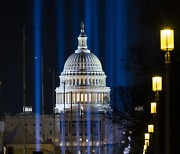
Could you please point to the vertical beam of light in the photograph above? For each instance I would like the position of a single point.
(75, 22)
(88, 130)
(99, 133)
(106, 134)
(109, 42)
(60, 33)
(37, 65)
(91, 24)
(60, 49)
(62, 132)
(120, 41)
(60, 5)
(115, 42)
(79, 130)
(94, 23)
(88, 20)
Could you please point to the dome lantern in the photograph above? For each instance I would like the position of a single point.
(82, 40)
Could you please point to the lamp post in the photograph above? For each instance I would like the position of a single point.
(156, 87)
(167, 45)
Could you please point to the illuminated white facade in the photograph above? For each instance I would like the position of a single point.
(82, 82)
(82, 101)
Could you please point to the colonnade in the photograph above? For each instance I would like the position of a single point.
(83, 97)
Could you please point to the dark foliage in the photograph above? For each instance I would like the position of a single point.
(130, 113)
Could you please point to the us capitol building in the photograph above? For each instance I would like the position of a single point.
(82, 81)
(80, 124)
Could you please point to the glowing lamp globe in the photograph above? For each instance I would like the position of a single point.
(157, 83)
(167, 39)
(153, 107)
(146, 136)
(150, 128)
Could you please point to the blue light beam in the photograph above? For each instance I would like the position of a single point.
(37, 67)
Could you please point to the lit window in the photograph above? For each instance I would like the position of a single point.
(82, 97)
(90, 97)
(78, 98)
(85, 95)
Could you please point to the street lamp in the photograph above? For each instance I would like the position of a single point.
(153, 107)
(167, 45)
(150, 128)
(146, 143)
(156, 83)
(146, 136)
(156, 87)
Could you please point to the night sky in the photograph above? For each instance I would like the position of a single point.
(124, 34)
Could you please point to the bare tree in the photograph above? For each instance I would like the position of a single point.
(131, 115)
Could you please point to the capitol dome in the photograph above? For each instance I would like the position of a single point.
(83, 81)
(82, 63)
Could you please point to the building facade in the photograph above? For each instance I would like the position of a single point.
(82, 101)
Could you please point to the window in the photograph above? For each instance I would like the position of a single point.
(50, 124)
(82, 97)
(85, 97)
(50, 132)
(77, 98)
